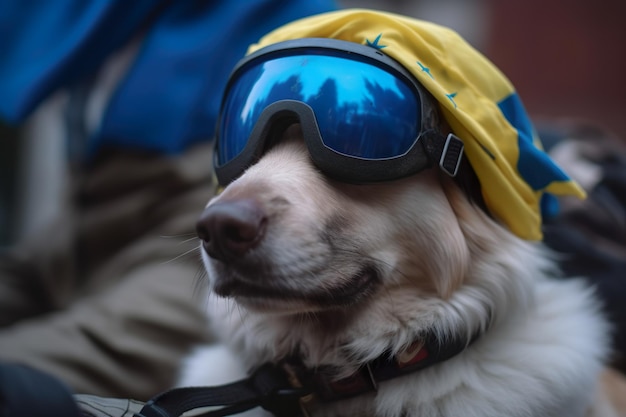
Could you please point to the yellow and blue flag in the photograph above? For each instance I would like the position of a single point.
(481, 106)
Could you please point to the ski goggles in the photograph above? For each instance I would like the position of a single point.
(364, 117)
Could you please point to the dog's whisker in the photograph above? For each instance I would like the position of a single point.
(242, 315)
(180, 256)
(177, 236)
(200, 281)
(191, 239)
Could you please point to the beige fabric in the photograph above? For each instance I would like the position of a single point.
(109, 298)
(92, 406)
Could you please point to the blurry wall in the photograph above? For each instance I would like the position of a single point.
(566, 58)
(468, 17)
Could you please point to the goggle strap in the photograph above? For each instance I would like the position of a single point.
(444, 151)
(451, 155)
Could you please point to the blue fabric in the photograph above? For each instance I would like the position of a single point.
(170, 96)
(534, 165)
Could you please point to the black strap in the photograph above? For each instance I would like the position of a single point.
(451, 155)
(283, 389)
(444, 151)
(326, 387)
(268, 387)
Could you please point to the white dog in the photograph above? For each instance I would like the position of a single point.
(343, 275)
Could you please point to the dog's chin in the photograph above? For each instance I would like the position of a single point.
(266, 295)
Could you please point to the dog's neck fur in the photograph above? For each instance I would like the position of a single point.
(508, 299)
(542, 343)
(482, 377)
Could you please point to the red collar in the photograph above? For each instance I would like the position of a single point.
(419, 355)
(288, 392)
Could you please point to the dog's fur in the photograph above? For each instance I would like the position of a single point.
(345, 273)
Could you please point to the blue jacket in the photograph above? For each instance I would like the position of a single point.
(170, 96)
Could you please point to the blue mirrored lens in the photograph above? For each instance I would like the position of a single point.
(361, 110)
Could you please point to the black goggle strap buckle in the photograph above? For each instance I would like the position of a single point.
(451, 155)
(444, 151)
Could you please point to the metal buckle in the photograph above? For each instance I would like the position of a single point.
(305, 401)
(363, 380)
(451, 155)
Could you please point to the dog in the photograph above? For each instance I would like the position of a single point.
(341, 275)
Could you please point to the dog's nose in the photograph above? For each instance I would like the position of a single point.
(230, 228)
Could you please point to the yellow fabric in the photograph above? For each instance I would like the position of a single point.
(472, 94)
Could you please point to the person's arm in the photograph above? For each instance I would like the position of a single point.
(27, 392)
(48, 44)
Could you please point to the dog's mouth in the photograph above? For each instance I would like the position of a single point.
(271, 296)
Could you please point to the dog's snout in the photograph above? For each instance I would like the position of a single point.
(231, 228)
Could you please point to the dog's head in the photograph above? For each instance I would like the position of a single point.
(284, 238)
(339, 219)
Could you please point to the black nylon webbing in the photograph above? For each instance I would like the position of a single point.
(267, 387)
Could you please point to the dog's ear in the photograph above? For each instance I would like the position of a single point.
(434, 252)
(448, 259)
(481, 234)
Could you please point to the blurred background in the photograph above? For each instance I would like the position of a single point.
(566, 58)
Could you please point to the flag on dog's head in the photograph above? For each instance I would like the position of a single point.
(517, 177)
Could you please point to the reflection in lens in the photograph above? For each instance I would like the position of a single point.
(361, 109)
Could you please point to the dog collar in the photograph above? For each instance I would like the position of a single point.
(323, 385)
(289, 388)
